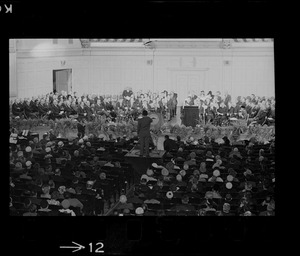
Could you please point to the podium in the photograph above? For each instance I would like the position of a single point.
(190, 115)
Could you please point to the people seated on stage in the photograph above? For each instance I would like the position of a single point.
(259, 110)
(245, 108)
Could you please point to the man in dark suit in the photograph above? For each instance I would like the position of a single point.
(169, 144)
(143, 131)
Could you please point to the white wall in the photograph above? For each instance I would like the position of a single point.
(108, 71)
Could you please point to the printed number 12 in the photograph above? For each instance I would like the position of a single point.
(98, 250)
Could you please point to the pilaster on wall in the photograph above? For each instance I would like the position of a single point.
(13, 89)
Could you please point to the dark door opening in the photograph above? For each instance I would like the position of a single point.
(62, 80)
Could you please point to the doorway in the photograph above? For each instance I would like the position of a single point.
(187, 82)
(62, 80)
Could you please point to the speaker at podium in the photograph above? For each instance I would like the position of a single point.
(190, 115)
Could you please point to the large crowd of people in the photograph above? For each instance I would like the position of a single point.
(89, 106)
(220, 109)
(84, 176)
(206, 180)
(57, 177)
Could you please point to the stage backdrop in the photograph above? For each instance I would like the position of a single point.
(242, 69)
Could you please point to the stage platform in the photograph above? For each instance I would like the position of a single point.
(135, 153)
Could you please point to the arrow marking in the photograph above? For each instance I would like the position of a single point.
(78, 247)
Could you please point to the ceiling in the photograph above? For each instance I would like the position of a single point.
(86, 43)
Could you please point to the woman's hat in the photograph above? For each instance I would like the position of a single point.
(150, 172)
(144, 177)
(65, 204)
(228, 185)
(179, 177)
(102, 136)
(28, 149)
(62, 189)
(229, 177)
(216, 173)
(164, 172)
(209, 195)
(123, 199)
(169, 194)
(247, 172)
(139, 211)
(182, 173)
(154, 165)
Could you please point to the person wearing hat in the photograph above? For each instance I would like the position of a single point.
(65, 211)
(202, 168)
(218, 165)
(179, 181)
(139, 211)
(44, 209)
(143, 130)
(123, 204)
(232, 173)
(216, 176)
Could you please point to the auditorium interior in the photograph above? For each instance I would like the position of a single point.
(75, 109)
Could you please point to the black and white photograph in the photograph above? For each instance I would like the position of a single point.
(143, 128)
(154, 126)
